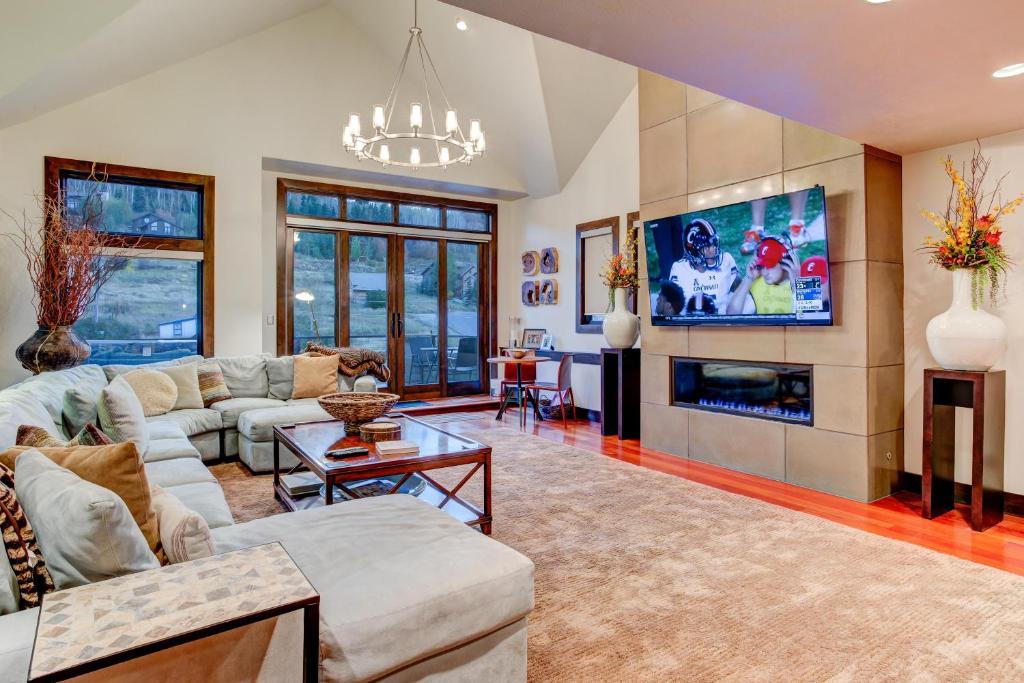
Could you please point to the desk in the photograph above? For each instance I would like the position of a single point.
(519, 363)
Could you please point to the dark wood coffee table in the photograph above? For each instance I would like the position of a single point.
(438, 449)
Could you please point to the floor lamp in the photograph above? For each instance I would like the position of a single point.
(307, 296)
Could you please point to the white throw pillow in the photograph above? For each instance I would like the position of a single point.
(155, 390)
(186, 378)
(79, 408)
(85, 532)
(184, 534)
(121, 415)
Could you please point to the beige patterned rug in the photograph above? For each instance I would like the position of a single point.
(642, 576)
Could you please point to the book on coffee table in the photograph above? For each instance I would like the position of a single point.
(301, 484)
(398, 447)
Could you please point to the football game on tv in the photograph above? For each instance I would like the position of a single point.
(759, 262)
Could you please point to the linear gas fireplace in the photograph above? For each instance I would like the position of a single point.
(770, 391)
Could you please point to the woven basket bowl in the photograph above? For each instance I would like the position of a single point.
(357, 407)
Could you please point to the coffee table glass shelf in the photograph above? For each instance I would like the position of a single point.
(438, 449)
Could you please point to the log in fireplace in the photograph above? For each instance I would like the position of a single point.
(769, 391)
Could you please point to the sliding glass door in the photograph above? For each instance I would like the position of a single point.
(415, 299)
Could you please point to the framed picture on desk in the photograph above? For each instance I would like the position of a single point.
(532, 338)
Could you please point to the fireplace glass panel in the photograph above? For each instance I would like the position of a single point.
(770, 391)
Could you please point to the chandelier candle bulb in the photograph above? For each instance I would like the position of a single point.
(385, 154)
(451, 121)
(481, 144)
(378, 116)
(443, 155)
(346, 138)
(414, 156)
(474, 130)
(353, 124)
(416, 115)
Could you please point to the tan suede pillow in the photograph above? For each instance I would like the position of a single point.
(156, 390)
(315, 376)
(118, 468)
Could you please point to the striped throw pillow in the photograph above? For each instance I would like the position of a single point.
(37, 437)
(22, 551)
(211, 384)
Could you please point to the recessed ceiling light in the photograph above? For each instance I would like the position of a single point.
(877, 2)
(1012, 70)
(461, 24)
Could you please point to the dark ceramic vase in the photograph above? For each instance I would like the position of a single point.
(56, 348)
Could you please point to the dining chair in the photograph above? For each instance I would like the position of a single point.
(563, 387)
(508, 377)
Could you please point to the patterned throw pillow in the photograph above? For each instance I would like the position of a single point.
(211, 384)
(26, 561)
(37, 437)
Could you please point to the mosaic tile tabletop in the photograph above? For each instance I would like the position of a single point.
(82, 624)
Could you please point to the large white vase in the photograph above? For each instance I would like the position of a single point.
(621, 328)
(964, 337)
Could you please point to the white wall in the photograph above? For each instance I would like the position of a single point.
(607, 183)
(280, 93)
(927, 293)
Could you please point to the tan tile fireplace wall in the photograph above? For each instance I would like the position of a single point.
(699, 150)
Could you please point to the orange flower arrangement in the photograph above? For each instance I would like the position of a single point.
(971, 229)
(620, 270)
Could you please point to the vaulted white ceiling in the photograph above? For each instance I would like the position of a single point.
(905, 75)
(543, 103)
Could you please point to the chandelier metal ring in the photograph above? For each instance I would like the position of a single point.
(375, 147)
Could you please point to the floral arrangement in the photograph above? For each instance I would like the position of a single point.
(68, 257)
(971, 228)
(620, 270)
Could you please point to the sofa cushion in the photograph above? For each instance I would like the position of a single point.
(31, 579)
(156, 391)
(232, 408)
(121, 415)
(165, 429)
(411, 571)
(80, 408)
(86, 532)
(166, 449)
(115, 467)
(178, 471)
(186, 380)
(364, 383)
(246, 376)
(258, 425)
(114, 371)
(206, 498)
(37, 437)
(184, 533)
(280, 374)
(17, 635)
(191, 420)
(50, 387)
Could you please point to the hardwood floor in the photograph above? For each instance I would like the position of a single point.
(896, 517)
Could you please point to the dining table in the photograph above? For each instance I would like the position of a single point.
(519, 363)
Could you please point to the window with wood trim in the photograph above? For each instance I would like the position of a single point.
(408, 275)
(159, 304)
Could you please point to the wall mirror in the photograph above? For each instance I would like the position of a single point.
(596, 241)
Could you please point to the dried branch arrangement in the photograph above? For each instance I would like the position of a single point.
(68, 256)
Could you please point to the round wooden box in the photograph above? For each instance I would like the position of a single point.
(372, 432)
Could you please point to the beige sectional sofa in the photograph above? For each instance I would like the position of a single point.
(407, 592)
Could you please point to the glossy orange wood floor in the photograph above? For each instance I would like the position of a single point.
(896, 517)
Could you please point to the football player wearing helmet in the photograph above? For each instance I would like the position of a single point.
(706, 274)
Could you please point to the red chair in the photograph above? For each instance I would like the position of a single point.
(508, 378)
(563, 388)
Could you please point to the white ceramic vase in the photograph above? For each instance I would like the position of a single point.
(964, 337)
(621, 328)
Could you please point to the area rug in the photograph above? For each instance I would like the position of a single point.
(642, 576)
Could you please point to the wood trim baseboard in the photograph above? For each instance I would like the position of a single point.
(1013, 502)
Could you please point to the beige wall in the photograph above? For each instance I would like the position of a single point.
(606, 184)
(698, 150)
(927, 293)
(273, 94)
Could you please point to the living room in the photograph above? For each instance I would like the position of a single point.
(650, 349)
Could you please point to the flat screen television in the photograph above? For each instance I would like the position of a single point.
(759, 262)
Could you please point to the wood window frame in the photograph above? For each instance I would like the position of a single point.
(56, 168)
(285, 254)
(585, 323)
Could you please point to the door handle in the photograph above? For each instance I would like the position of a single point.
(401, 325)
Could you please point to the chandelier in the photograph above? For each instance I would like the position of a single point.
(444, 149)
